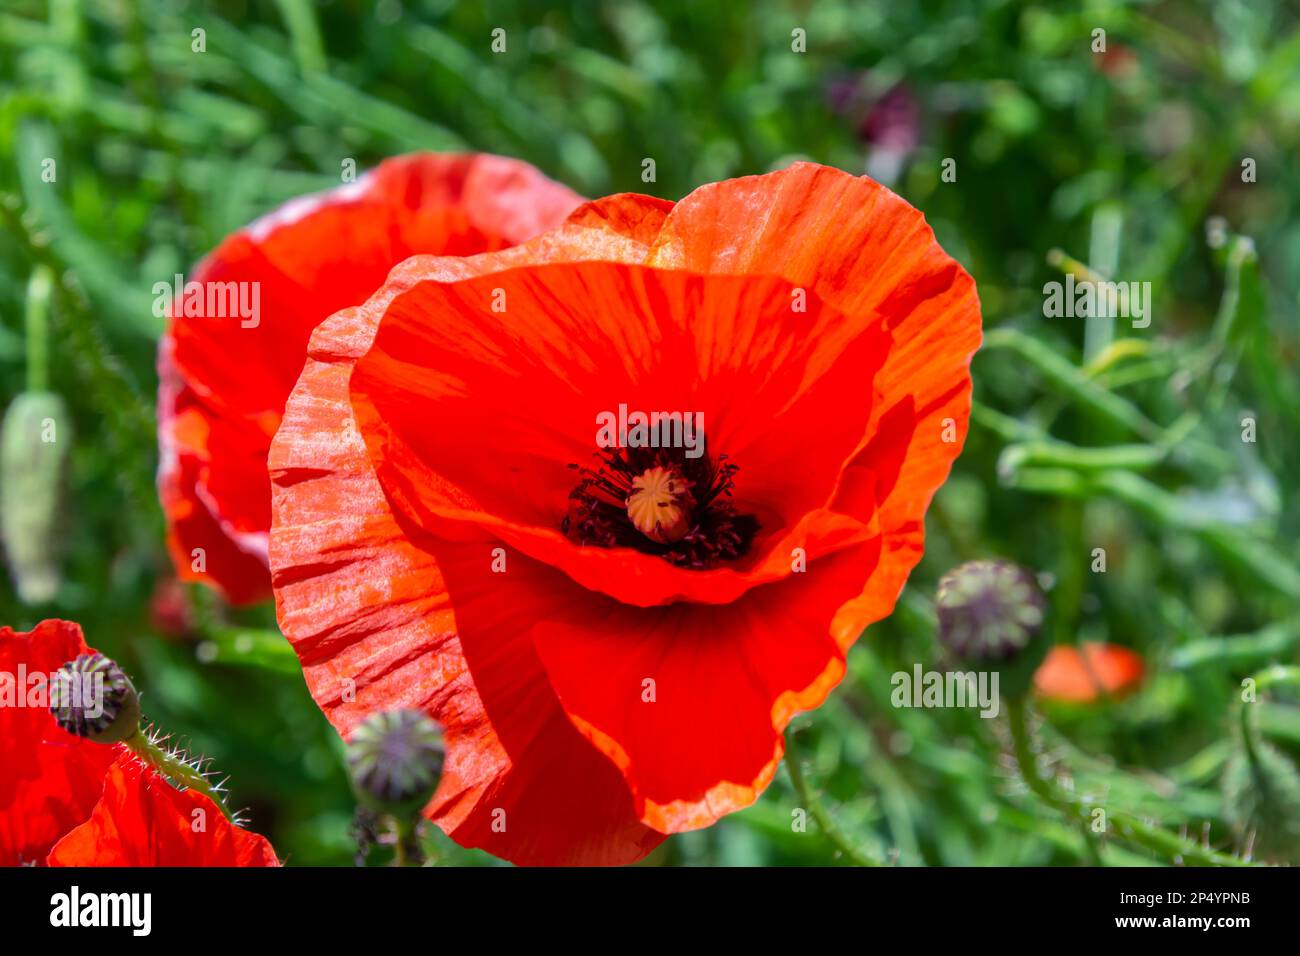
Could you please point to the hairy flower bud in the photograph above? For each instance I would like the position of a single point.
(989, 610)
(93, 698)
(34, 443)
(395, 759)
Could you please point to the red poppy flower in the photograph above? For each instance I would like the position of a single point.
(615, 651)
(65, 801)
(224, 380)
(1081, 675)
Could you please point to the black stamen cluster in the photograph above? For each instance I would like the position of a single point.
(598, 507)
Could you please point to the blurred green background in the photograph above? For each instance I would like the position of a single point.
(1085, 435)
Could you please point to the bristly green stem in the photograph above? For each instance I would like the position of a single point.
(1125, 826)
(174, 769)
(1037, 783)
(1269, 677)
(814, 805)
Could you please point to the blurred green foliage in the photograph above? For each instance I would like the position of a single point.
(1085, 435)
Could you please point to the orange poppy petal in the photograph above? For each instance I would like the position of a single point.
(860, 254)
(688, 701)
(142, 820)
(470, 423)
(867, 253)
(224, 551)
(367, 613)
(1087, 672)
(306, 260)
(362, 607)
(50, 779)
(319, 254)
(560, 802)
(633, 216)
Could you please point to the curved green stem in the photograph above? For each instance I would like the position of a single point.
(1269, 677)
(39, 288)
(818, 810)
(1278, 674)
(1037, 783)
(1126, 826)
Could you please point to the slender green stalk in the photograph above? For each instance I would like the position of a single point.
(1125, 826)
(818, 810)
(1071, 380)
(1037, 783)
(1270, 677)
(304, 34)
(1262, 558)
(1065, 455)
(1254, 648)
(1170, 845)
(129, 417)
(407, 850)
(1075, 384)
(37, 328)
(1280, 674)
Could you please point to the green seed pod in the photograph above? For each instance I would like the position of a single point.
(34, 443)
(93, 698)
(991, 616)
(988, 610)
(395, 760)
(1261, 796)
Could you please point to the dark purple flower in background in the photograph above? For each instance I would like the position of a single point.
(889, 122)
(893, 123)
(892, 128)
(844, 93)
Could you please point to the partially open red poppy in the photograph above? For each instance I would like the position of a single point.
(227, 365)
(615, 638)
(65, 801)
(1083, 674)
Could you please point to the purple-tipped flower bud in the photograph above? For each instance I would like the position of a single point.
(395, 759)
(989, 610)
(93, 698)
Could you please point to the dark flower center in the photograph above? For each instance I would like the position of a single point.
(662, 502)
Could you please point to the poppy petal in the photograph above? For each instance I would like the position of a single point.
(633, 216)
(142, 820)
(528, 816)
(866, 252)
(225, 377)
(741, 671)
(51, 779)
(466, 483)
(1087, 672)
(368, 616)
(642, 683)
(198, 537)
(724, 348)
(362, 608)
